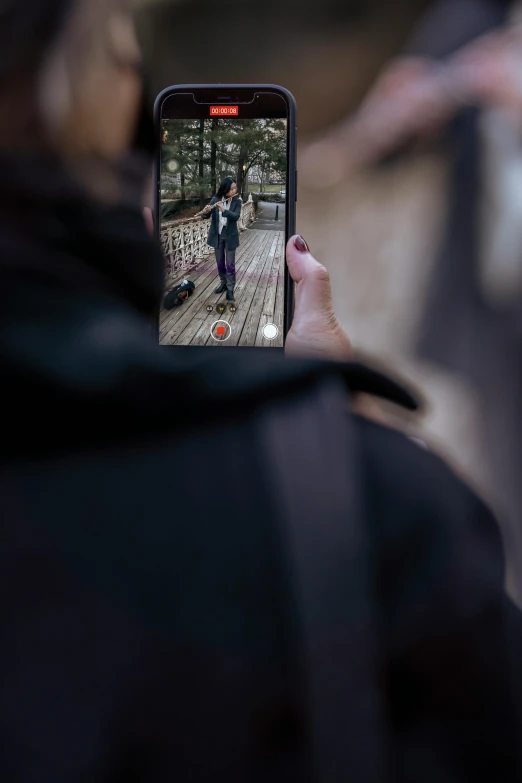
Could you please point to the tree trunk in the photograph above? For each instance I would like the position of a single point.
(200, 163)
(183, 193)
(213, 156)
(243, 156)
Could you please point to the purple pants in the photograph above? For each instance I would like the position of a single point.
(226, 259)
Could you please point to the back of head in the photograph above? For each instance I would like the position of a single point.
(68, 76)
(72, 179)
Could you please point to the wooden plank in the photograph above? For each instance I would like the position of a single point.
(209, 262)
(202, 336)
(200, 277)
(180, 274)
(196, 334)
(250, 330)
(249, 285)
(196, 276)
(180, 318)
(172, 326)
(198, 327)
(205, 338)
(268, 313)
(171, 331)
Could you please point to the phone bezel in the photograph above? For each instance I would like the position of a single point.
(291, 187)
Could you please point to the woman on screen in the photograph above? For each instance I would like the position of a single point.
(224, 211)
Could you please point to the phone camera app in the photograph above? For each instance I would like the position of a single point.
(223, 216)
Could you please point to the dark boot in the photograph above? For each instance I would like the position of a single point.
(222, 286)
(231, 282)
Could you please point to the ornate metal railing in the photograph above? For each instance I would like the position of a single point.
(185, 241)
(248, 214)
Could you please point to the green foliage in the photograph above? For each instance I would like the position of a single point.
(171, 210)
(238, 148)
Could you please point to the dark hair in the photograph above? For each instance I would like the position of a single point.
(28, 29)
(225, 186)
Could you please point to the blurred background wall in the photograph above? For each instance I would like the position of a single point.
(401, 231)
(327, 52)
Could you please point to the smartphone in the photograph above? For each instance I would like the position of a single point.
(225, 202)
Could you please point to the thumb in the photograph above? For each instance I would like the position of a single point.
(316, 331)
(314, 291)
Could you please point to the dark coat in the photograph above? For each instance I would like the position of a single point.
(323, 600)
(231, 230)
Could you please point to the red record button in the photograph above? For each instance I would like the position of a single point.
(220, 331)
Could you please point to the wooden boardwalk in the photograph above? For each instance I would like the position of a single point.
(259, 297)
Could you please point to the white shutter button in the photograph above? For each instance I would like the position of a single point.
(270, 331)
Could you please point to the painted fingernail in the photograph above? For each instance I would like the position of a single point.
(301, 245)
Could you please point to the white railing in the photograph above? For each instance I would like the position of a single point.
(185, 241)
(248, 214)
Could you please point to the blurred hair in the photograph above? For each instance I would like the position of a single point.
(27, 30)
(46, 49)
(225, 186)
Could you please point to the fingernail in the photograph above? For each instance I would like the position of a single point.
(301, 245)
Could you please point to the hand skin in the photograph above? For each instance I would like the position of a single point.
(316, 332)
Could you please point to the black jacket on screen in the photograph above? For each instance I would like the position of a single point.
(290, 593)
(231, 229)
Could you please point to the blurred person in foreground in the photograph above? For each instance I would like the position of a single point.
(344, 619)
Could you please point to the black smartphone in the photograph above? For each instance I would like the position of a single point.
(226, 188)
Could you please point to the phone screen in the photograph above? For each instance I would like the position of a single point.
(224, 217)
